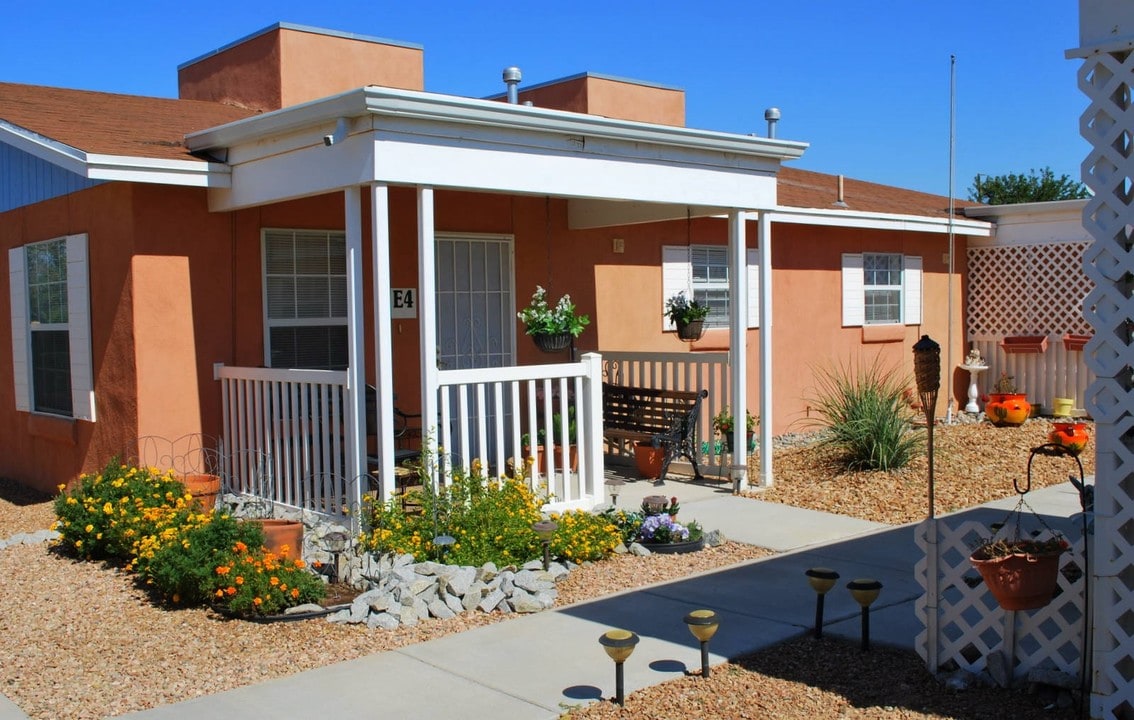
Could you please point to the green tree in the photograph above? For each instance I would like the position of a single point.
(1016, 188)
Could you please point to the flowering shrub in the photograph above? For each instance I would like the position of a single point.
(258, 582)
(180, 565)
(541, 319)
(583, 536)
(663, 529)
(723, 421)
(106, 515)
(626, 522)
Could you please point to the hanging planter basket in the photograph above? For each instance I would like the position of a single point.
(1020, 581)
(690, 331)
(551, 343)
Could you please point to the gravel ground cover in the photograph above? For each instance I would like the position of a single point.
(80, 640)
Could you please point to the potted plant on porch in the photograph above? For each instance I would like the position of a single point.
(1006, 406)
(552, 328)
(687, 315)
(723, 424)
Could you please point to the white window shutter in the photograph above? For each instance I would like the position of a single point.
(79, 323)
(18, 289)
(911, 290)
(753, 288)
(677, 276)
(854, 297)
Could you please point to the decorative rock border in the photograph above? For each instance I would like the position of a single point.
(32, 538)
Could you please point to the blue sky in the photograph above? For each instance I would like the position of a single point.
(865, 82)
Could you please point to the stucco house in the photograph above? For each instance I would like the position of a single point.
(306, 215)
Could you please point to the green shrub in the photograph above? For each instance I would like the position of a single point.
(627, 523)
(257, 582)
(583, 536)
(106, 515)
(868, 418)
(183, 568)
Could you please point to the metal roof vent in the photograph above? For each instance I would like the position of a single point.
(840, 199)
(772, 115)
(512, 79)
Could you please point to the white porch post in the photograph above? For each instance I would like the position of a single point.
(1106, 36)
(383, 347)
(764, 238)
(356, 358)
(427, 319)
(738, 345)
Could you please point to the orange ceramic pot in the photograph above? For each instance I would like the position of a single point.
(204, 488)
(283, 537)
(1071, 435)
(649, 460)
(1007, 408)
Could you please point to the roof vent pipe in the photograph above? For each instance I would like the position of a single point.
(512, 78)
(772, 115)
(840, 200)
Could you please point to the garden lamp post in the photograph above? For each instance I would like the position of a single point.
(618, 644)
(442, 543)
(865, 591)
(614, 486)
(821, 580)
(336, 544)
(703, 624)
(544, 529)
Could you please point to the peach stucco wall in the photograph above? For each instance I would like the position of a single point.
(176, 288)
(285, 67)
(611, 98)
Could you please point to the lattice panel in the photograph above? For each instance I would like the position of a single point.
(1027, 290)
(970, 624)
(1106, 79)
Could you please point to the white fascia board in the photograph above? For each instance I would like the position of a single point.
(586, 214)
(879, 221)
(115, 167)
(434, 107)
(1029, 212)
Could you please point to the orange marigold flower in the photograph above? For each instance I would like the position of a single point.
(220, 593)
(300, 563)
(274, 580)
(223, 570)
(230, 590)
(257, 601)
(239, 579)
(295, 592)
(240, 547)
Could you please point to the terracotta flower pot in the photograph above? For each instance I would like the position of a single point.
(204, 488)
(1071, 435)
(279, 534)
(1007, 409)
(1019, 581)
(649, 460)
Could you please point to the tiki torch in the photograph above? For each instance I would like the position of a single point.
(927, 372)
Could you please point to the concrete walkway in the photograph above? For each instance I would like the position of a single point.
(535, 667)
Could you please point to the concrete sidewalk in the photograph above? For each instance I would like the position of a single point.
(539, 665)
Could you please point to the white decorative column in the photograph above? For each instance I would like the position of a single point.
(1106, 36)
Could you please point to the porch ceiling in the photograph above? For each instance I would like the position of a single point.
(412, 138)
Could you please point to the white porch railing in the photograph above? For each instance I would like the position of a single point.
(295, 421)
(677, 371)
(487, 414)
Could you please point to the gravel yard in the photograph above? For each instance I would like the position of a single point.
(80, 640)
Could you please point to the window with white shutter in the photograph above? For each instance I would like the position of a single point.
(881, 288)
(51, 347)
(701, 271)
(305, 299)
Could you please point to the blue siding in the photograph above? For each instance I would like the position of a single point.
(25, 179)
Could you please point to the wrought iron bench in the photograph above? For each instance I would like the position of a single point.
(663, 418)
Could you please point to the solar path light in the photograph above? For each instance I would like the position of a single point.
(619, 644)
(865, 591)
(544, 529)
(821, 580)
(703, 624)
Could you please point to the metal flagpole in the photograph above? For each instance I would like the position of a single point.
(952, 154)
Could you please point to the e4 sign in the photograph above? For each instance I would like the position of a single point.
(403, 302)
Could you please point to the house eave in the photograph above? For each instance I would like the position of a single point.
(123, 168)
(880, 221)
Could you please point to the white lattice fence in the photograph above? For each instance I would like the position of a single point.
(970, 626)
(1107, 79)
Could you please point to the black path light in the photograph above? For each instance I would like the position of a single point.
(927, 372)
(544, 530)
(618, 644)
(865, 591)
(703, 624)
(821, 580)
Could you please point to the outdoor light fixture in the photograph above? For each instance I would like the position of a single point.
(613, 487)
(544, 529)
(703, 624)
(821, 580)
(619, 644)
(442, 543)
(865, 591)
(336, 544)
(655, 503)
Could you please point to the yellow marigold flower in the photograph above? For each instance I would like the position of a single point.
(78, 543)
(72, 501)
(108, 508)
(176, 598)
(89, 527)
(98, 537)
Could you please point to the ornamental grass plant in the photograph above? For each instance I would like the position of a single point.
(863, 408)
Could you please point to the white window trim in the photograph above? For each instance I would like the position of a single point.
(677, 276)
(854, 290)
(78, 328)
(269, 323)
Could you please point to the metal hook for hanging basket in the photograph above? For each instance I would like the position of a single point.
(1050, 450)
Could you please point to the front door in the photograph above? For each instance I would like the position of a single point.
(476, 314)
